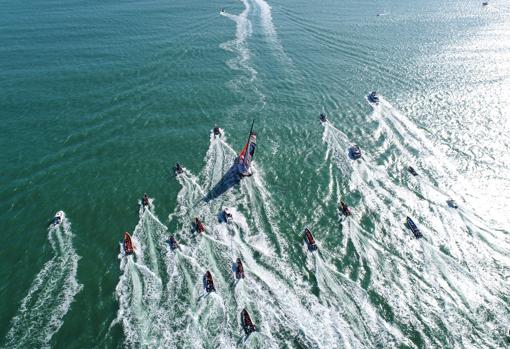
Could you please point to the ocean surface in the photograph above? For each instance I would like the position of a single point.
(100, 99)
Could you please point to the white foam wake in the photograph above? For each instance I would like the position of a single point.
(241, 62)
(49, 298)
(270, 30)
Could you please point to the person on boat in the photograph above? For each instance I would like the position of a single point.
(145, 200)
(239, 269)
(412, 171)
(178, 168)
(323, 117)
(345, 209)
(246, 322)
(173, 242)
(199, 225)
(216, 129)
(209, 284)
(55, 221)
(355, 152)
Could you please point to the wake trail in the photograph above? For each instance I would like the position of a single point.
(140, 288)
(51, 294)
(270, 30)
(241, 63)
(424, 279)
(271, 302)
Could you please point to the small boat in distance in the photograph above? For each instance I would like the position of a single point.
(373, 97)
(217, 131)
(208, 282)
(173, 242)
(355, 152)
(411, 225)
(57, 219)
(323, 118)
(246, 155)
(227, 215)
(145, 201)
(128, 244)
(178, 169)
(451, 203)
(199, 226)
(412, 171)
(312, 246)
(239, 269)
(485, 3)
(344, 209)
(246, 322)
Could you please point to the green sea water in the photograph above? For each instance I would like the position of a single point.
(99, 100)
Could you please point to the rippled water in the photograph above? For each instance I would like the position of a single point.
(100, 99)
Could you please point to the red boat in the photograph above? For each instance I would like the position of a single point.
(208, 282)
(199, 226)
(128, 244)
(309, 240)
(239, 269)
(246, 322)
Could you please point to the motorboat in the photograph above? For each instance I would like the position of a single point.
(485, 3)
(323, 118)
(128, 244)
(208, 282)
(239, 269)
(173, 242)
(451, 203)
(145, 201)
(412, 171)
(355, 152)
(57, 219)
(373, 97)
(178, 169)
(246, 323)
(345, 209)
(199, 226)
(245, 157)
(227, 215)
(411, 225)
(312, 246)
(217, 131)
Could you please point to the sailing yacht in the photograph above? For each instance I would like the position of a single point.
(246, 155)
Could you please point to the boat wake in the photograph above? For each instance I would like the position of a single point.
(49, 298)
(241, 63)
(273, 291)
(140, 288)
(270, 31)
(419, 279)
